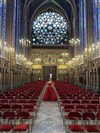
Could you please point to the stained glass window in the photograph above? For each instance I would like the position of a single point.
(4, 13)
(0, 15)
(49, 28)
(96, 18)
(17, 23)
(82, 25)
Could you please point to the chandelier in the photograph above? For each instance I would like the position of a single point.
(49, 28)
(74, 42)
(24, 43)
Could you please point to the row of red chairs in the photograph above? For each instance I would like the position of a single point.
(34, 101)
(19, 97)
(80, 97)
(19, 106)
(82, 117)
(81, 108)
(78, 106)
(77, 128)
(10, 121)
(83, 101)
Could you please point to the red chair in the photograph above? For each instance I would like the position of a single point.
(26, 97)
(72, 117)
(64, 102)
(25, 117)
(85, 101)
(18, 97)
(16, 107)
(22, 101)
(94, 101)
(76, 128)
(98, 118)
(6, 127)
(91, 128)
(68, 108)
(13, 101)
(92, 107)
(81, 107)
(30, 108)
(96, 97)
(2, 97)
(21, 128)
(98, 108)
(32, 101)
(9, 116)
(76, 101)
(5, 107)
(0, 115)
(4, 101)
(9, 97)
(88, 117)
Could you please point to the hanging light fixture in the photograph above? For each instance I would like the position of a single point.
(74, 42)
(24, 43)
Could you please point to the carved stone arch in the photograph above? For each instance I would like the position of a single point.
(55, 9)
(74, 12)
(98, 67)
(71, 2)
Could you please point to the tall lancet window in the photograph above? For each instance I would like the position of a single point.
(96, 20)
(17, 23)
(4, 13)
(82, 24)
(14, 28)
(0, 25)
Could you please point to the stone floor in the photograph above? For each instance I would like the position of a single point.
(49, 119)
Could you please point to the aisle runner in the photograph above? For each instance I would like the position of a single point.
(49, 119)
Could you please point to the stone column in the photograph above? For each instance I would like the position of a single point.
(89, 19)
(9, 35)
(1, 81)
(97, 83)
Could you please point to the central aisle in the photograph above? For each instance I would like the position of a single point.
(49, 119)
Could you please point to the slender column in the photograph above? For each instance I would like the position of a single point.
(1, 81)
(97, 82)
(89, 35)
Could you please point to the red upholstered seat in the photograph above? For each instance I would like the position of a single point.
(88, 116)
(9, 115)
(73, 116)
(24, 115)
(80, 107)
(17, 107)
(98, 116)
(91, 128)
(76, 128)
(5, 107)
(92, 107)
(68, 108)
(20, 127)
(6, 127)
(29, 107)
(94, 101)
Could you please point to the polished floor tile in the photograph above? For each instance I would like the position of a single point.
(49, 119)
